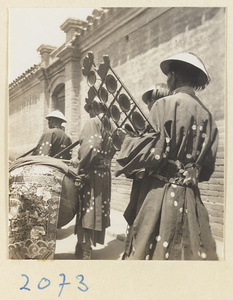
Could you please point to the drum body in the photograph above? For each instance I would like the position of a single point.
(42, 198)
(68, 202)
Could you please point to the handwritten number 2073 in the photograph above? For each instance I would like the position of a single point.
(44, 283)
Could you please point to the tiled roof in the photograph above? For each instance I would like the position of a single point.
(90, 20)
(96, 15)
(28, 73)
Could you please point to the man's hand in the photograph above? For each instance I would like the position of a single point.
(74, 163)
(121, 133)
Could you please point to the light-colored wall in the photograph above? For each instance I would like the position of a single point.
(26, 121)
(136, 55)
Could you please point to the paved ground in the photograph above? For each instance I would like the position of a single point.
(111, 250)
(113, 247)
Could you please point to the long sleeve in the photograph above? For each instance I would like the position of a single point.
(90, 144)
(210, 157)
(185, 132)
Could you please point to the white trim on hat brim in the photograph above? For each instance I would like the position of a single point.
(189, 59)
(56, 114)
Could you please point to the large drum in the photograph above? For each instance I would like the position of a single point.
(43, 197)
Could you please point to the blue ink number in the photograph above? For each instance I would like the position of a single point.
(24, 287)
(81, 282)
(47, 283)
(44, 283)
(63, 283)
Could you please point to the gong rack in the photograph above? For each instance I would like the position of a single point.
(115, 102)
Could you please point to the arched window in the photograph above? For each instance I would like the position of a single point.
(58, 98)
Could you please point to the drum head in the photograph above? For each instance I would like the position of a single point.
(96, 107)
(138, 121)
(129, 128)
(103, 94)
(111, 83)
(124, 102)
(115, 113)
(91, 95)
(116, 142)
(91, 78)
(107, 124)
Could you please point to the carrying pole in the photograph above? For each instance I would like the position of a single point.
(25, 154)
(66, 149)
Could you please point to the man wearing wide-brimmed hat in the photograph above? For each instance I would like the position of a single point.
(171, 221)
(154, 93)
(54, 140)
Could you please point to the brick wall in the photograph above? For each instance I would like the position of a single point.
(136, 55)
(26, 120)
(212, 192)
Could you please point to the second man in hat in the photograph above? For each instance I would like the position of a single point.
(54, 140)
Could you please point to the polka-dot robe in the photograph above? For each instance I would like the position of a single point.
(52, 142)
(166, 217)
(95, 154)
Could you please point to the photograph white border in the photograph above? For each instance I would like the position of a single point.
(117, 279)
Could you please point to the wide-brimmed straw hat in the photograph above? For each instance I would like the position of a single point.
(56, 114)
(155, 92)
(193, 61)
(147, 95)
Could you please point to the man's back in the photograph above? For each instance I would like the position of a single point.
(52, 142)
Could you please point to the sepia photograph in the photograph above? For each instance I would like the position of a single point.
(116, 136)
(116, 150)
